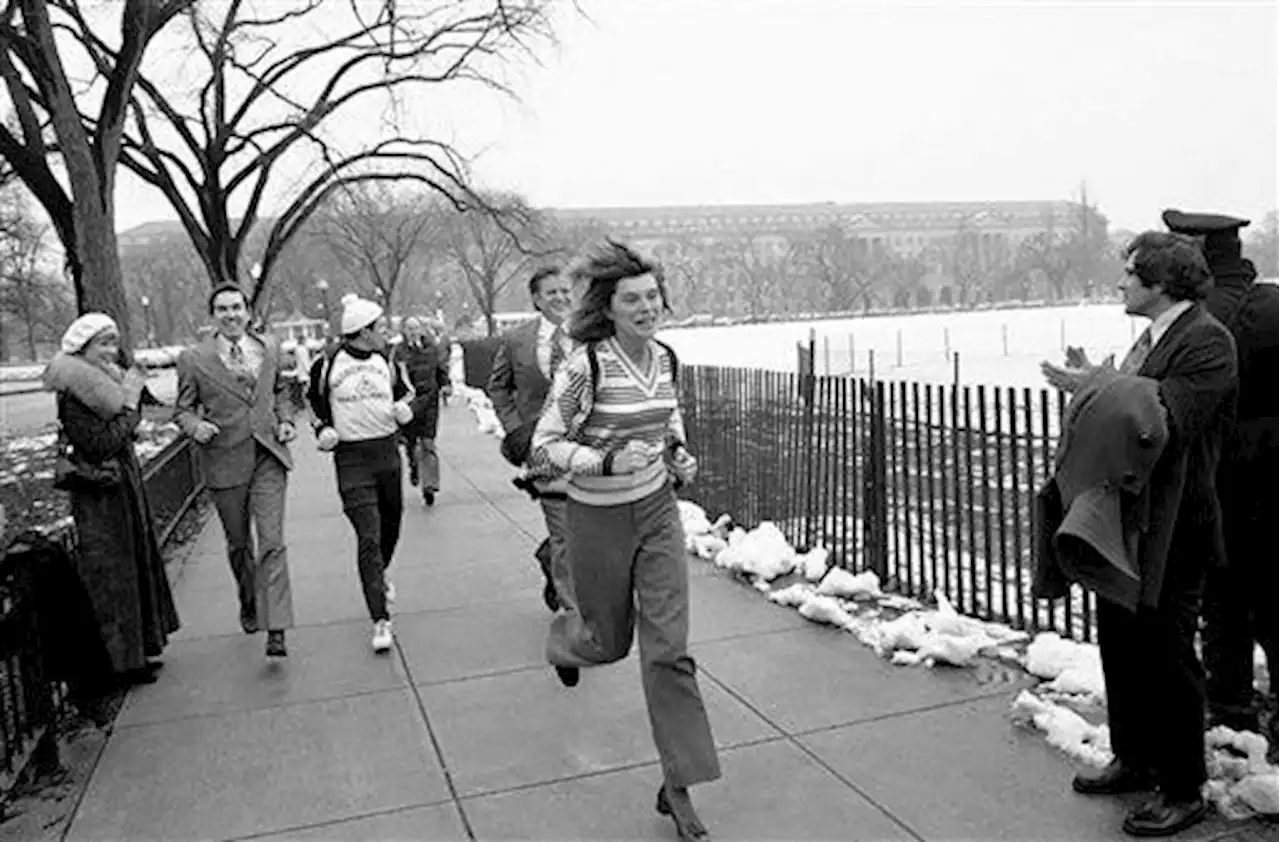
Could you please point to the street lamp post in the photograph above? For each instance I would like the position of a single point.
(146, 320)
(323, 286)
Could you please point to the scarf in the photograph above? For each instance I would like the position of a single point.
(100, 389)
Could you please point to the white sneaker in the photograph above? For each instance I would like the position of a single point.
(390, 590)
(382, 636)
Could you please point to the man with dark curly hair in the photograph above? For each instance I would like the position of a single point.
(1154, 679)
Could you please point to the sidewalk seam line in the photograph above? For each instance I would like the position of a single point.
(245, 710)
(791, 738)
(596, 773)
(435, 744)
(341, 820)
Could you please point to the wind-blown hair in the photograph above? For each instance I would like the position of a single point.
(598, 270)
(1174, 261)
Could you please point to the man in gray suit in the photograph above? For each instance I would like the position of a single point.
(233, 400)
(523, 368)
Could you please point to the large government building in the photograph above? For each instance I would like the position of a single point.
(902, 227)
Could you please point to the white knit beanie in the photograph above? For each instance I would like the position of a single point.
(358, 313)
(82, 331)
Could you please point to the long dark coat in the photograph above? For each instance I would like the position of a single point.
(427, 366)
(1195, 364)
(119, 558)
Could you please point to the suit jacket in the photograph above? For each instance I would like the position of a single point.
(247, 415)
(1195, 365)
(517, 385)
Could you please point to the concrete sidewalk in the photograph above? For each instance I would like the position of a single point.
(463, 731)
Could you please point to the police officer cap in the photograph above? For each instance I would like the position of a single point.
(1202, 224)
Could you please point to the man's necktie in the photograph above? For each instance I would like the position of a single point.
(1137, 354)
(557, 353)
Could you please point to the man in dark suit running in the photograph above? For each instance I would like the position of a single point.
(523, 368)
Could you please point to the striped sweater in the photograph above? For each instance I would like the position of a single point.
(578, 430)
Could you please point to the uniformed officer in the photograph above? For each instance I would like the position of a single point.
(1240, 600)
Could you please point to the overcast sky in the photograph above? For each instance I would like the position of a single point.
(673, 102)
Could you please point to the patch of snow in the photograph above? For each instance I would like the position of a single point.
(1073, 668)
(482, 408)
(1064, 729)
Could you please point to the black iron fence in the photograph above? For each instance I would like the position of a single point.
(29, 703)
(929, 486)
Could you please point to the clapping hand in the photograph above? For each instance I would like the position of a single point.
(1077, 358)
(1077, 370)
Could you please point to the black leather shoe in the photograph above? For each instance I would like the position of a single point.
(568, 676)
(688, 828)
(1114, 779)
(248, 621)
(429, 498)
(275, 645)
(1162, 816)
(550, 597)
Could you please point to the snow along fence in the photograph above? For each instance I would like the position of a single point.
(931, 487)
(31, 701)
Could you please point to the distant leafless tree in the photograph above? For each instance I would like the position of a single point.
(684, 262)
(34, 298)
(171, 276)
(841, 269)
(278, 84)
(375, 231)
(492, 248)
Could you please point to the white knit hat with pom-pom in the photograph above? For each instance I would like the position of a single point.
(357, 313)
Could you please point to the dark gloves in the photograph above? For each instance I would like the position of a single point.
(516, 444)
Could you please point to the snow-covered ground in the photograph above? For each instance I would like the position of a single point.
(909, 633)
(981, 338)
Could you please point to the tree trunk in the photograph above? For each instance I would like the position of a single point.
(102, 281)
(32, 354)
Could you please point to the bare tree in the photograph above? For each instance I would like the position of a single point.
(375, 231)
(900, 276)
(277, 82)
(760, 269)
(490, 249)
(684, 263)
(34, 298)
(1048, 253)
(83, 130)
(171, 278)
(841, 266)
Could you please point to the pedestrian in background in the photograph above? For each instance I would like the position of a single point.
(426, 362)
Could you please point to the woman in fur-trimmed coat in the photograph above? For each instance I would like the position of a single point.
(119, 557)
